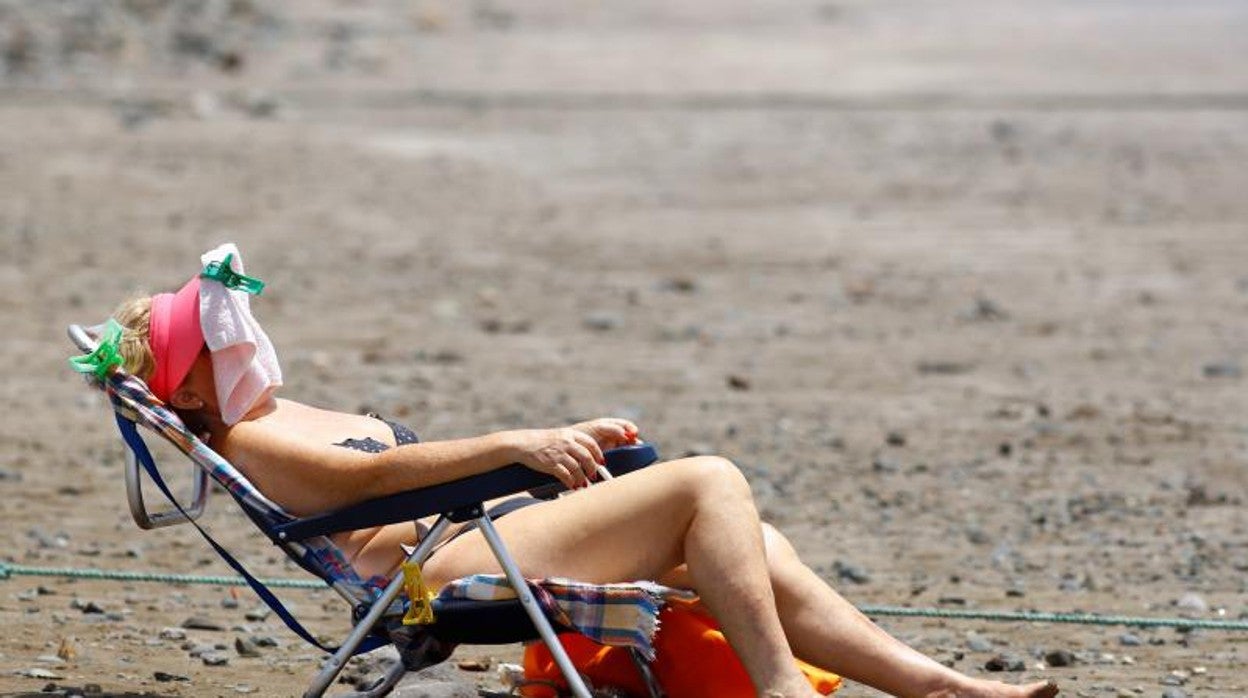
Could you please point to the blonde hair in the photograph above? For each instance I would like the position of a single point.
(135, 317)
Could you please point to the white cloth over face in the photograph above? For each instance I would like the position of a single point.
(244, 364)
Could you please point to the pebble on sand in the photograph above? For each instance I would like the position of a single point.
(1005, 662)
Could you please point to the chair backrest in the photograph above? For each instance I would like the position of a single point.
(132, 400)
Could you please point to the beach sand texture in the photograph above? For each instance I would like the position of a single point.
(960, 286)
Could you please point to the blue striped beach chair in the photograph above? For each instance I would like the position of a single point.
(378, 603)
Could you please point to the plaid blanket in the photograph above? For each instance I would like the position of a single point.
(625, 615)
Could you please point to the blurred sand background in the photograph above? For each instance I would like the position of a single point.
(959, 285)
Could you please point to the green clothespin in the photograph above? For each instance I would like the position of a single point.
(106, 356)
(221, 271)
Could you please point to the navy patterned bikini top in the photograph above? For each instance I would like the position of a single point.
(402, 435)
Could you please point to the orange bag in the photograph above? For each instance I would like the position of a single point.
(693, 660)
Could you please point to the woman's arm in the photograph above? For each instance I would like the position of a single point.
(307, 478)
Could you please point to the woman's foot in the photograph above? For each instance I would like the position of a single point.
(976, 688)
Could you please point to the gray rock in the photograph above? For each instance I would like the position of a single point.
(198, 623)
(849, 572)
(602, 321)
(1130, 640)
(439, 681)
(86, 606)
(978, 643)
(172, 634)
(215, 658)
(260, 104)
(39, 673)
(1174, 693)
(983, 310)
(1059, 658)
(938, 367)
(200, 649)
(245, 647)
(886, 465)
(1005, 662)
(257, 614)
(1221, 369)
(1192, 602)
(165, 677)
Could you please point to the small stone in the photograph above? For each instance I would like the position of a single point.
(39, 673)
(86, 606)
(229, 602)
(1174, 678)
(983, 310)
(1005, 662)
(977, 536)
(165, 677)
(256, 615)
(260, 104)
(978, 643)
(200, 649)
(1059, 658)
(215, 658)
(474, 665)
(895, 438)
(172, 634)
(1192, 602)
(679, 284)
(264, 641)
(885, 465)
(944, 368)
(1221, 369)
(1173, 693)
(602, 321)
(198, 623)
(850, 572)
(738, 382)
(245, 647)
(1129, 640)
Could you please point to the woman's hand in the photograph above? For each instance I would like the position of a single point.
(609, 432)
(569, 454)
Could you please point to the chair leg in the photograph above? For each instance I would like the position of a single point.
(334, 665)
(647, 674)
(388, 681)
(540, 621)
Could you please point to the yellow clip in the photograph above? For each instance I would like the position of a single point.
(420, 610)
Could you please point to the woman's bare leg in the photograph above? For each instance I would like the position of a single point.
(827, 631)
(697, 512)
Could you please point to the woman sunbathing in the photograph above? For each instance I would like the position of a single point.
(687, 523)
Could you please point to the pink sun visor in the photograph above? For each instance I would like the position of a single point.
(176, 338)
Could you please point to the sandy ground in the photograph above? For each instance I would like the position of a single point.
(960, 286)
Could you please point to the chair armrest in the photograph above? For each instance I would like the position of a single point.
(460, 500)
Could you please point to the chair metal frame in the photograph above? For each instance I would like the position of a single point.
(457, 501)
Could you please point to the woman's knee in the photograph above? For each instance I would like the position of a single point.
(710, 475)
